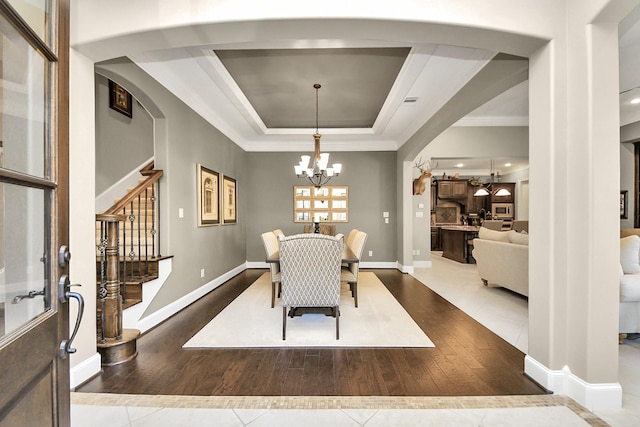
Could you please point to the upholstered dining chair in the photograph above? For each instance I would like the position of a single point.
(328, 229)
(310, 271)
(349, 273)
(270, 242)
(351, 236)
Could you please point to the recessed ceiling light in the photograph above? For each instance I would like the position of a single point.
(459, 165)
(506, 165)
(635, 101)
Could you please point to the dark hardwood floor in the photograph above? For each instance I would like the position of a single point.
(468, 360)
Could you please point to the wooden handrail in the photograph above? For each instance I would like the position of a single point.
(152, 176)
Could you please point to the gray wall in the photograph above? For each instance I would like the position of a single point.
(122, 143)
(371, 177)
(183, 139)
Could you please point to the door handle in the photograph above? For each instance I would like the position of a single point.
(64, 294)
(30, 295)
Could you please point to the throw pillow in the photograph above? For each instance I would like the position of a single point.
(630, 254)
(518, 238)
(499, 236)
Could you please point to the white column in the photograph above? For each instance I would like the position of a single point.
(574, 221)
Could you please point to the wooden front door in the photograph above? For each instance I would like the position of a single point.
(34, 311)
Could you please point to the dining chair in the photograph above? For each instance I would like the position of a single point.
(310, 271)
(350, 272)
(278, 232)
(350, 237)
(270, 242)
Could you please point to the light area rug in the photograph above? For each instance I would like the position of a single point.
(249, 321)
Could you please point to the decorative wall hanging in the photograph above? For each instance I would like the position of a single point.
(229, 201)
(208, 183)
(119, 99)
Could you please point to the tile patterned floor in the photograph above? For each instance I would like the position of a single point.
(95, 410)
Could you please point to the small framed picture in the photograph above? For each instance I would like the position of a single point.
(119, 99)
(229, 201)
(208, 183)
(623, 204)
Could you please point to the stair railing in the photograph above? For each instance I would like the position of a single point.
(138, 234)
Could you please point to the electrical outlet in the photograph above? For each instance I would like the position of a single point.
(370, 253)
(180, 213)
(202, 272)
(417, 251)
(386, 220)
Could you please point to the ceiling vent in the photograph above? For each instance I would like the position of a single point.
(410, 100)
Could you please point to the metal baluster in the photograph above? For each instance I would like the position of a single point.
(139, 228)
(146, 231)
(153, 219)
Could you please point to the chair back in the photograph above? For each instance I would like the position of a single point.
(278, 232)
(310, 269)
(520, 225)
(271, 246)
(357, 246)
(351, 236)
(328, 229)
(493, 224)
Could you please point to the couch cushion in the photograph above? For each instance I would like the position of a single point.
(499, 236)
(630, 254)
(630, 288)
(518, 238)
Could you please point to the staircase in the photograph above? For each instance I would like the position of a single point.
(127, 256)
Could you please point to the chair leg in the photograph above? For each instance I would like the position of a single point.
(284, 323)
(273, 294)
(336, 310)
(355, 293)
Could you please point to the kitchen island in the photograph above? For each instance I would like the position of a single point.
(457, 242)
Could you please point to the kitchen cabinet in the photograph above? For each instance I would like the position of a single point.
(452, 189)
(511, 186)
(435, 239)
(475, 203)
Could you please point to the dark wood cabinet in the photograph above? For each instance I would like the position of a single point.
(475, 203)
(510, 186)
(436, 244)
(450, 189)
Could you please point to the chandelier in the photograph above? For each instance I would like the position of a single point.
(318, 173)
(486, 190)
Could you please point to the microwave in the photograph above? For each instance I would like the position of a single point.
(502, 210)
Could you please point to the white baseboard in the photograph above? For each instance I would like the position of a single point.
(167, 311)
(591, 396)
(84, 370)
(408, 269)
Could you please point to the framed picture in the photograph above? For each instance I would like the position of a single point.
(623, 204)
(229, 200)
(208, 183)
(119, 99)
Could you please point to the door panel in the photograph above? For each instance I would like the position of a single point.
(34, 373)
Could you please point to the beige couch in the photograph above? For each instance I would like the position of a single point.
(502, 258)
(629, 281)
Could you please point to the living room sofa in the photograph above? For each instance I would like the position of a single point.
(502, 258)
(629, 281)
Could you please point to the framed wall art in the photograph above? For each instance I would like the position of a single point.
(119, 99)
(208, 183)
(229, 201)
(623, 204)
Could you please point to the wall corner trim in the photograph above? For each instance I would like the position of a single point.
(596, 396)
(84, 370)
